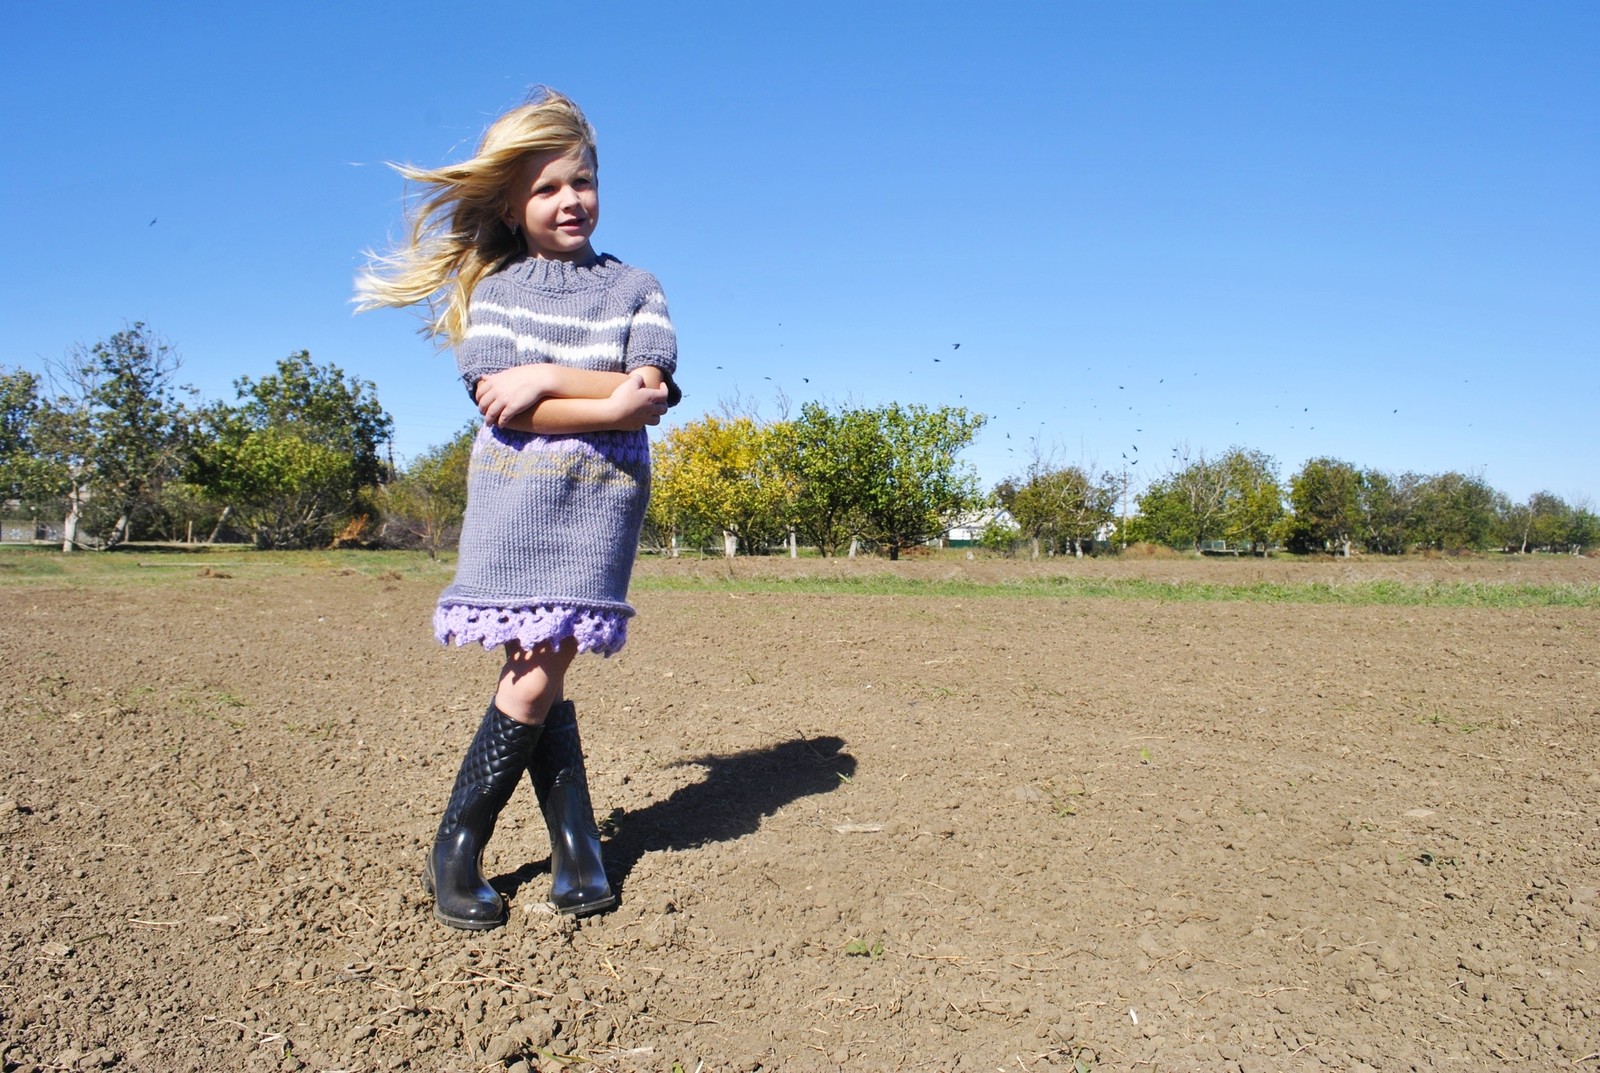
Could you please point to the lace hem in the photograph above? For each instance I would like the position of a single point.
(601, 631)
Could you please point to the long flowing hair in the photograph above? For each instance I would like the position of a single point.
(458, 233)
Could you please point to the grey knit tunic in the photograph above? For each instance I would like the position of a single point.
(552, 522)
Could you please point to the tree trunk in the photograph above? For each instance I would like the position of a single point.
(221, 520)
(672, 544)
(730, 544)
(794, 546)
(1035, 554)
(855, 545)
(119, 532)
(69, 524)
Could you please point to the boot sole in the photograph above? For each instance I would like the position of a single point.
(468, 925)
(583, 909)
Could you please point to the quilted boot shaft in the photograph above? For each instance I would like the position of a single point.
(489, 773)
(578, 881)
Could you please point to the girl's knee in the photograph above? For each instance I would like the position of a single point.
(531, 678)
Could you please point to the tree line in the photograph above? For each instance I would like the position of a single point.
(890, 478)
(107, 447)
(1237, 502)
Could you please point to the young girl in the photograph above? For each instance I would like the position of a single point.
(568, 355)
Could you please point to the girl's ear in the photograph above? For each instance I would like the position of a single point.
(508, 216)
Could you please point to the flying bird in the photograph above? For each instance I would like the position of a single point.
(152, 222)
(955, 346)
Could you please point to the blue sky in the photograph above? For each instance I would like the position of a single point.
(1363, 230)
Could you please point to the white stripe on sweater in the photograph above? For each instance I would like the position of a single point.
(555, 320)
(533, 344)
(653, 320)
(640, 317)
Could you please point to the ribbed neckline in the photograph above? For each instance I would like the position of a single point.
(563, 276)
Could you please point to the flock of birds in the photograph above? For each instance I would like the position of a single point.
(1129, 454)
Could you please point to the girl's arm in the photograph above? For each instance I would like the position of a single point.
(503, 395)
(557, 400)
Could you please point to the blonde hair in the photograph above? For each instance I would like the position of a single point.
(458, 232)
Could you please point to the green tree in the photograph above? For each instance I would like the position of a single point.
(294, 458)
(1456, 512)
(1388, 511)
(141, 431)
(1185, 507)
(185, 513)
(427, 501)
(1326, 497)
(828, 458)
(320, 405)
(1540, 524)
(1059, 509)
(113, 434)
(917, 482)
(21, 473)
(1583, 529)
(1253, 505)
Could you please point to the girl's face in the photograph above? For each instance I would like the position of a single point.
(555, 202)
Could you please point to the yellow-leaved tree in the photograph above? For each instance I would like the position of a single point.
(722, 476)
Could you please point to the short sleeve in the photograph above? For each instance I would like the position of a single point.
(490, 343)
(651, 337)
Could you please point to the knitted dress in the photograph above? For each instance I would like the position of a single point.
(552, 522)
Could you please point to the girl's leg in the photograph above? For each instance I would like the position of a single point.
(494, 762)
(500, 752)
(532, 678)
(578, 882)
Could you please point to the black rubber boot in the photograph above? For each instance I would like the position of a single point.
(578, 883)
(489, 772)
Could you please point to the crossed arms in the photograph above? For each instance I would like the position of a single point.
(556, 400)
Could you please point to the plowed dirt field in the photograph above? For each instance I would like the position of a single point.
(948, 829)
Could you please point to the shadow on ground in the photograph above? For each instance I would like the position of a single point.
(738, 790)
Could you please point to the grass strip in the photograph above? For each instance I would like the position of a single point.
(166, 565)
(1354, 593)
(161, 565)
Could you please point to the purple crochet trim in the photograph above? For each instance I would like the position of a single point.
(599, 631)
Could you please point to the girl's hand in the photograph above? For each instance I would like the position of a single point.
(637, 404)
(505, 394)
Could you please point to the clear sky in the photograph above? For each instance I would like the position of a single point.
(1367, 230)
